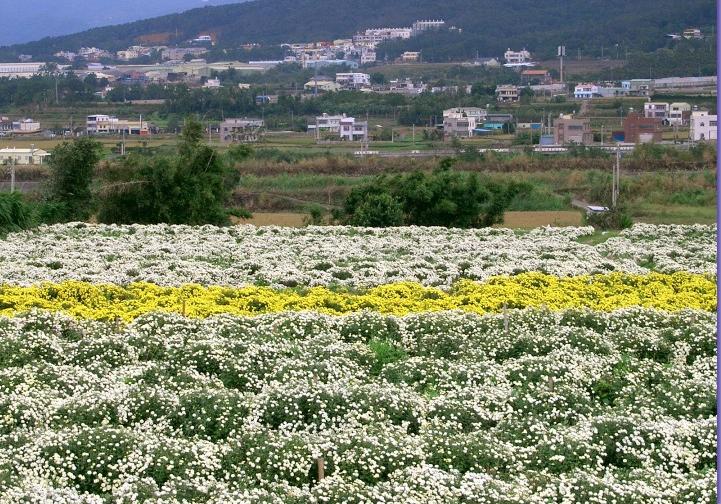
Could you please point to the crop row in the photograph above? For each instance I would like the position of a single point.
(529, 406)
(352, 257)
(672, 292)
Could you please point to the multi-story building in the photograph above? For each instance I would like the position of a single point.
(703, 126)
(572, 130)
(517, 57)
(479, 114)
(353, 130)
(25, 126)
(507, 93)
(423, 25)
(411, 57)
(367, 55)
(586, 91)
(639, 129)
(656, 110)
(347, 128)
(240, 130)
(353, 80)
(459, 124)
(374, 36)
(679, 114)
(638, 87)
(100, 124)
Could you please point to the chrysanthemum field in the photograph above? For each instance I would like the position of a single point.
(171, 364)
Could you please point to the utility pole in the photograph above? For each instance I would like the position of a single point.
(615, 190)
(12, 174)
(561, 55)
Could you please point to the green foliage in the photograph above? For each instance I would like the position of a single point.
(15, 213)
(191, 188)
(616, 218)
(72, 165)
(441, 198)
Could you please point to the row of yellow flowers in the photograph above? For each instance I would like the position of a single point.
(669, 292)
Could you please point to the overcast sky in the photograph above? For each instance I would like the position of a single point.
(28, 20)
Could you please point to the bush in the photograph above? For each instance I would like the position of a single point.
(15, 213)
(616, 218)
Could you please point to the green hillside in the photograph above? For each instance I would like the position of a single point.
(488, 26)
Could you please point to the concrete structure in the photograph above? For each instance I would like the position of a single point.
(101, 124)
(572, 130)
(367, 56)
(323, 85)
(586, 91)
(353, 130)
(638, 87)
(639, 129)
(432, 24)
(656, 110)
(459, 125)
(347, 128)
(353, 80)
(479, 114)
(240, 130)
(463, 121)
(212, 84)
(540, 75)
(703, 126)
(517, 57)
(679, 114)
(374, 36)
(32, 156)
(25, 127)
(411, 57)
(507, 93)
(20, 70)
(179, 53)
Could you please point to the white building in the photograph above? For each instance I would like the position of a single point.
(212, 84)
(20, 70)
(100, 124)
(423, 25)
(26, 126)
(240, 130)
(347, 128)
(374, 36)
(353, 130)
(656, 110)
(507, 93)
(479, 114)
(517, 57)
(586, 91)
(460, 122)
(703, 126)
(31, 156)
(679, 113)
(367, 56)
(353, 80)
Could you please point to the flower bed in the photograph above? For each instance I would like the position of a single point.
(351, 257)
(527, 407)
(600, 292)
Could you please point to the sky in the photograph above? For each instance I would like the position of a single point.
(28, 20)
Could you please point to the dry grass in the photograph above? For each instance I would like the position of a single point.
(285, 219)
(530, 220)
(515, 220)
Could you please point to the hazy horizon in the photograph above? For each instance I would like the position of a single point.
(35, 19)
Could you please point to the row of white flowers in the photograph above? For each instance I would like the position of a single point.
(526, 407)
(172, 255)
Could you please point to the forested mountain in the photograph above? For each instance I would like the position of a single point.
(488, 26)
